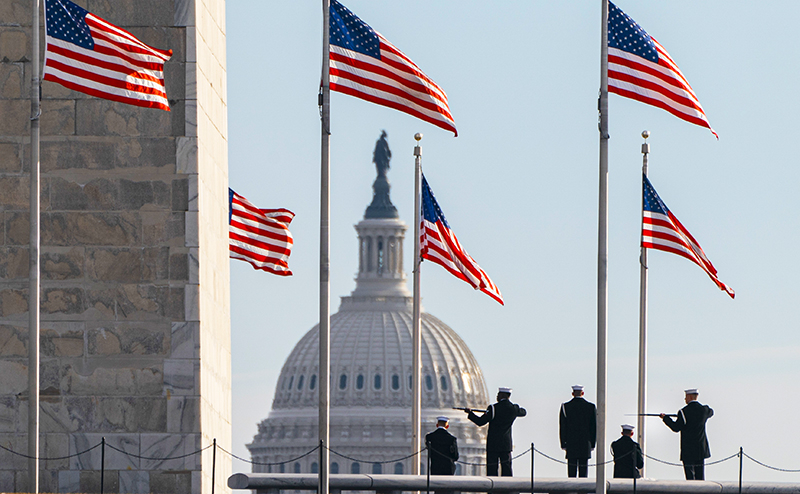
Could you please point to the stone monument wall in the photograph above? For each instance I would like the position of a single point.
(135, 320)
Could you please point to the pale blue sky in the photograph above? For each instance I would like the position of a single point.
(519, 187)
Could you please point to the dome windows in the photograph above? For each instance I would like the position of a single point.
(334, 467)
(343, 381)
(378, 382)
(355, 468)
(396, 386)
(300, 383)
(312, 383)
(398, 469)
(377, 468)
(291, 382)
(429, 382)
(443, 381)
(360, 381)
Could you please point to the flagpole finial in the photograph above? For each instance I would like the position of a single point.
(645, 134)
(417, 149)
(418, 136)
(645, 148)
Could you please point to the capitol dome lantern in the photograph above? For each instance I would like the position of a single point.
(371, 368)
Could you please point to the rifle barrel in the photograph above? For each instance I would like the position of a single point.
(650, 414)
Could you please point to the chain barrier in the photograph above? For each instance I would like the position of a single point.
(373, 461)
(50, 458)
(769, 466)
(154, 457)
(478, 464)
(266, 463)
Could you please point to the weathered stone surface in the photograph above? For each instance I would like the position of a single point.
(90, 481)
(15, 377)
(136, 302)
(72, 196)
(13, 341)
(179, 267)
(106, 153)
(61, 339)
(103, 117)
(175, 81)
(180, 376)
(130, 339)
(16, 12)
(186, 156)
(135, 195)
(62, 264)
(122, 265)
(58, 117)
(14, 442)
(163, 228)
(9, 411)
(62, 301)
(15, 191)
(14, 41)
(10, 157)
(169, 446)
(12, 79)
(132, 13)
(133, 414)
(90, 228)
(13, 302)
(170, 482)
(180, 194)
(129, 443)
(185, 340)
(54, 446)
(14, 263)
(134, 481)
(16, 117)
(69, 481)
(183, 414)
(114, 381)
(155, 264)
(69, 414)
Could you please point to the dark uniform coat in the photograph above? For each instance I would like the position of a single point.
(626, 452)
(691, 423)
(500, 417)
(578, 428)
(443, 451)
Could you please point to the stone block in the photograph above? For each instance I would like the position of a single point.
(136, 302)
(134, 380)
(156, 264)
(109, 118)
(61, 339)
(54, 446)
(15, 191)
(69, 481)
(175, 81)
(170, 482)
(122, 458)
(69, 414)
(15, 377)
(120, 265)
(14, 41)
(194, 265)
(134, 481)
(130, 13)
(183, 414)
(16, 12)
(62, 264)
(62, 301)
(14, 263)
(170, 446)
(10, 156)
(9, 410)
(185, 340)
(7, 481)
(13, 302)
(180, 194)
(16, 116)
(13, 341)
(139, 338)
(90, 228)
(106, 153)
(58, 117)
(186, 158)
(90, 481)
(135, 195)
(12, 80)
(19, 444)
(97, 194)
(179, 267)
(184, 13)
(180, 377)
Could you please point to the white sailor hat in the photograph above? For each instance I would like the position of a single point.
(442, 418)
(503, 389)
(691, 391)
(577, 387)
(627, 427)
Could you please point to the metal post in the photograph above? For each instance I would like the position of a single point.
(33, 253)
(741, 455)
(428, 470)
(324, 256)
(102, 463)
(213, 465)
(642, 401)
(602, 258)
(533, 455)
(416, 360)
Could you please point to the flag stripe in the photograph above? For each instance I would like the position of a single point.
(260, 236)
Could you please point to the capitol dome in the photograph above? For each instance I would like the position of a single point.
(371, 370)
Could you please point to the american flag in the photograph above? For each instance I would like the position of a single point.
(661, 230)
(87, 54)
(439, 244)
(260, 236)
(640, 68)
(365, 65)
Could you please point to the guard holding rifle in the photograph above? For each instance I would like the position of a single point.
(500, 418)
(691, 423)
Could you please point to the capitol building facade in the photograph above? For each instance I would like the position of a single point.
(371, 366)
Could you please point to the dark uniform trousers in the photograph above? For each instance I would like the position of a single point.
(691, 423)
(577, 423)
(500, 418)
(628, 458)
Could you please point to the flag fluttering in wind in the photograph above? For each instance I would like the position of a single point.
(641, 69)
(439, 244)
(260, 236)
(365, 65)
(85, 53)
(661, 230)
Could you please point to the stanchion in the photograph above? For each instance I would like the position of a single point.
(428, 470)
(533, 455)
(635, 470)
(741, 455)
(213, 465)
(102, 462)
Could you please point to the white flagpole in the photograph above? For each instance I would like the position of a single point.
(33, 289)
(642, 402)
(416, 388)
(324, 258)
(602, 259)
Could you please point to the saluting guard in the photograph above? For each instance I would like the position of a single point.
(628, 458)
(500, 418)
(577, 423)
(691, 423)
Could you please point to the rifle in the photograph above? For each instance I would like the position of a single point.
(650, 414)
(463, 409)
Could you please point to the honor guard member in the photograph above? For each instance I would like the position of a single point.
(442, 448)
(628, 458)
(691, 423)
(578, 432)
(500, 417)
